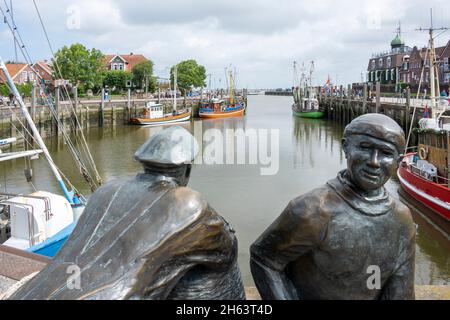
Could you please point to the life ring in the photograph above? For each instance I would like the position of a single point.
(423, 153)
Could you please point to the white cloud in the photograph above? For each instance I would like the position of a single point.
(260, 38)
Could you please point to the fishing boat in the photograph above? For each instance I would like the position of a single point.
(153, 114)
(424, 172)
(38, 222)
(306, 104)
(219, 108)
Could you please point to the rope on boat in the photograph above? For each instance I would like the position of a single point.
(77, 157)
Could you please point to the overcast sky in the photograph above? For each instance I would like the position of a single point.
(260, 38)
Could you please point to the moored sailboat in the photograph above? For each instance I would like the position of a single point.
(218, 108)
(39, 222)
(306, 104)
(425, 173)
(154, 112)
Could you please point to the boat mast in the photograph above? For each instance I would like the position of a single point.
(434, 74)
(73, 199)
(175, 74)
(231, 88)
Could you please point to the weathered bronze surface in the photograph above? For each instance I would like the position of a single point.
(330, 242)
(147, 238)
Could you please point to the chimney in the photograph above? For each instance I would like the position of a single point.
(131, 53)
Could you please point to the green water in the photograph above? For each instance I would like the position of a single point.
(310, 154)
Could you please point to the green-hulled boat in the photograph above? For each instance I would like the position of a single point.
(306, 104)
(311, 115)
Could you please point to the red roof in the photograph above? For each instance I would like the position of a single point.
(13, 69)
(130, 59)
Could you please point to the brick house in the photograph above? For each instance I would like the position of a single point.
(386, 67)
(124, 62)
(45, 71)
(412, 67)
(20, 73)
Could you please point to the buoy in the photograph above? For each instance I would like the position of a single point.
(423, 153)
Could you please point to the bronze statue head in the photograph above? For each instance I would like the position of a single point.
(169, 153)
(372, 144)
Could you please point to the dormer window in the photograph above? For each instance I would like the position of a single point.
(373, 64)
(388, 61)
(380, 62)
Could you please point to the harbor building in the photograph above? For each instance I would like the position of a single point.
(385, 67)
(401, 66)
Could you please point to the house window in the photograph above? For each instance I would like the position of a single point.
(386, 73)
(388, 62)
(121, 66)
(380, 62)
(373, 64)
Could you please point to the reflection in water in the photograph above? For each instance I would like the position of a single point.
(312, 134)
(310, 155)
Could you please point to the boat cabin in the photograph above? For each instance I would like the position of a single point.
(310, 104)
(432, 160)
(154, 110)
(32, 219)
(216, 104)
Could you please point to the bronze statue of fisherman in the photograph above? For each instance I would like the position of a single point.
(147, 238)
(348, 239)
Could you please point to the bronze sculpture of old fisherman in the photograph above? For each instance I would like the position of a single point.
(147, 238)
(348, 239)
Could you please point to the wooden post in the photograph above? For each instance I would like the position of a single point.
(55, 121)
(101, 109)
(349, 102)
(364, 110)
(12, 127)
(407, 108)
(75, 107)
(127, 116)
(378, 100)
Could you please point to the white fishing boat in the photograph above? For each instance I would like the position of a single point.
(154, 112)
(41, 221)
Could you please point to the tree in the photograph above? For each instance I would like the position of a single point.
(142, 72)
(81, 66)
(117, 79)
(189, 74)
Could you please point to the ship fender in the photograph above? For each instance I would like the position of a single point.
(423, 153)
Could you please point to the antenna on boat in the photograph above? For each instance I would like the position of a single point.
(433, 64)
(434, 76)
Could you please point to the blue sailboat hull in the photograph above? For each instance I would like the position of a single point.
(52, 245)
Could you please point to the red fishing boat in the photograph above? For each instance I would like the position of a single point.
(218, 108)
(424, 174)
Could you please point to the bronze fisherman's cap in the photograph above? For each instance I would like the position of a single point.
(378, 126)
(171, 147)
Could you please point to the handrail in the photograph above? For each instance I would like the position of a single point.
(47, 203)
(31, 235)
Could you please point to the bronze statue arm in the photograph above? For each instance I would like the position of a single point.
(291, 235)
(400, 285)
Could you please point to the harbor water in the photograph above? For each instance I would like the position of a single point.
(310, 154)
